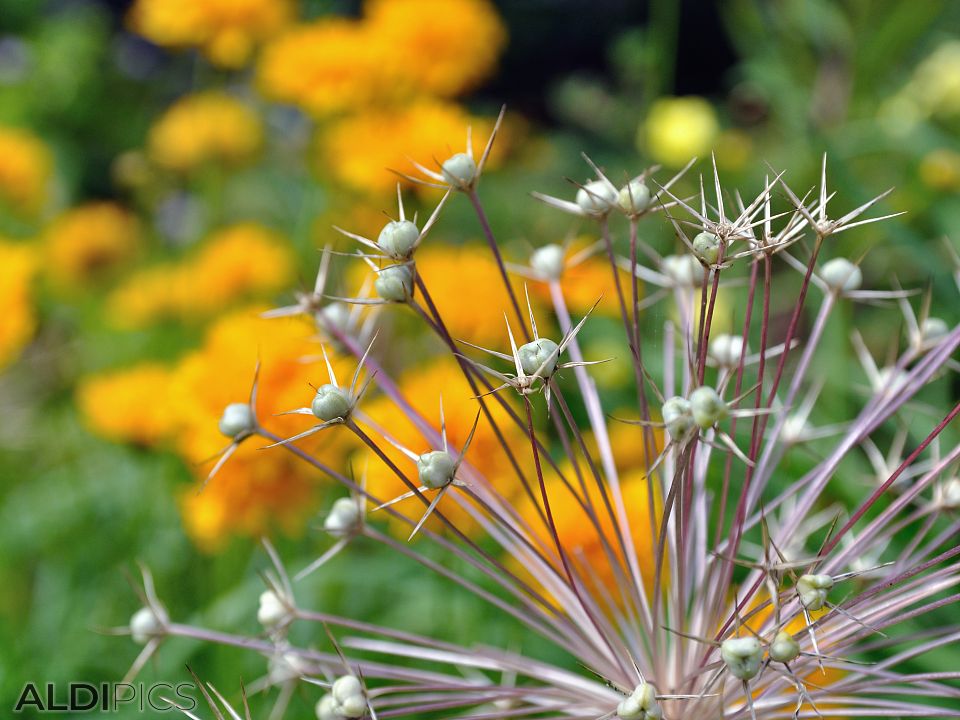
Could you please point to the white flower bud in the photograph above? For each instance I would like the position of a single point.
(348, 697)
(330, 403)
(784, 648)
(272, 611)
(394, 283)
(841, 275)
(344, 518)
(145, 625)
(726, 350)
(335, 315)
(237, 420)
(326, 708)
(542, 352)
(683, 270)
(742, 656)
(641, 704)
(596, 198)
(436, 468)
(813, 590)
(284, 667)
(548, 261)
(708, 407)
(634, 197)
(459, 170)
(677, 416)
(707, 247)
(398, 239)
(933, 329)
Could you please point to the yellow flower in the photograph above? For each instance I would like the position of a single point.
(26, 166)
(360, 150)
(240, 261)
(256, 488)
(203, 128)
(89, 242)
(422, 387)
(128, 405)
(18, 265)
(678, 129)
(225, 30)
(325, 67)
(439, 47)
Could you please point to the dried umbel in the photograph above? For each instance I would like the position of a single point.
(737, 573)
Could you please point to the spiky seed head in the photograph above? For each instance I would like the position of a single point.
(683, 270)
(548, 261)
(641, 704)
(394, 283)
(726, 350)
(335, 315)
(813, 590)
(784, 648)
(237, 420)
(634, 197)
(596, 198)
(284, 667)
(841, 275)
(326, 708)
(344, 518)
(272, 612)
(145, 625)
(534, 354)
(398, 239)
(707, 247)
(677, 416)
(348, 697)
(933, 329)
(331, 403)
(459, 170)
(708, 407)
(742, 656)
(436, 468)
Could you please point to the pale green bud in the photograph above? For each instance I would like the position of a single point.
(326, 708)
(237, 420)
(330, 403)
(548, 261)
(459, 170)
(436, 468)
(398, 239)
(933, 329)
(784, 648)
(742, 656)
(640, 705)
(596, 198)
(344, 518)
(707, 247)
(145, 625)
(282, 668)
(394, 283)
(813, 590)
(634, 197)
(335, 315)
(683, 270)
(841, 275)
(726, 350)
(677, 416)
(348, 697)
(542, 352)
(272, 611)
(708, 407)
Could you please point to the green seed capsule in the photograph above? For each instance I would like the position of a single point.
(813, 590)
(459, 170)
(784, 648)
(534, 354)
(398, 239)
(707, 247)
(436, 468)
(394, 283)
(742, 656)
(708, 407)
(548, 261)
(841, 275)
(344, 518)
(145, 625)
(677, 416)
(237, 420)
(330, 403)
(596, 198)
(634, 197)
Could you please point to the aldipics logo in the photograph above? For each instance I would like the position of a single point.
(105, 697)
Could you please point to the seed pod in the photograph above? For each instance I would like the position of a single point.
(344, 518)
(548, 261)
(813, 590)
(394, 283)
(677, 416)
(331, 403)
(708, 407)
(145, 625)
(948, 494)
(284, 667)
(707, 247)
(534, 354)
(436, 468)
(933, 329)
(459, 170)
(596, 198)
(237, 420)
(784, 648)
(398, 239)
(742, 656)
(335, 315)
(683, 270)
(841, 275)
(641, 704)
(272, 611)
(726, 350)
(326, 708)
(348, 695)
(634, 197)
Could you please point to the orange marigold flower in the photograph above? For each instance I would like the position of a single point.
(18, 265)
(26, 166)
(128, 405)
(203, 128)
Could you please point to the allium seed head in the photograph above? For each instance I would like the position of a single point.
(284, 667)
(841, 275)
(813, 590)
(933, 329)
(784, 648)
(399, 238)
(348, 697)
(742, 656)
(436, 468)
(459, 170)
(534, 354)
(326, 708)
(237, 420)
(641, 704)
(548, 261)
(634, 197)
(145, 625)
(683, 270)
(335, 315)
(708, 407)
(394, 283)
(706, 245)
(677, 416)
(726, 350)
(344, 518)
(272, 610)
(331, 403)
(596, 198)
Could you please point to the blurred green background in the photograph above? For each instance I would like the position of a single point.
(145, 163)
